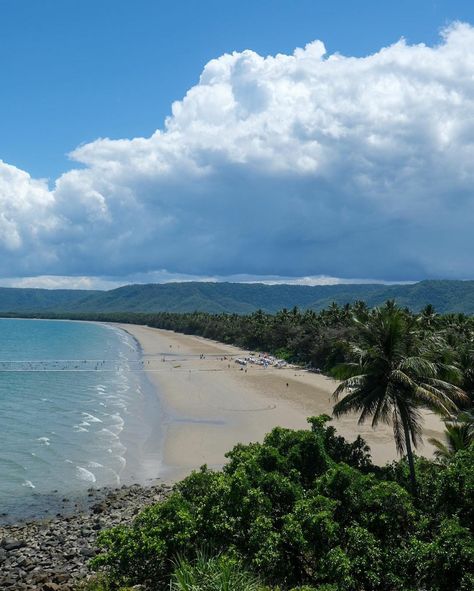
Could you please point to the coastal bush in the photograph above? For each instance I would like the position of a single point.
(291, 512)
(355, 454)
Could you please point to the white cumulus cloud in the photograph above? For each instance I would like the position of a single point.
(287, 165)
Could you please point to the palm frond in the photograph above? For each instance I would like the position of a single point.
(419, 366)
(456, 394)
(350, 403)
(415, 424)
(435, 399)
(397, 376)
(442, 451)
(398, 432)
(458, 437)
(349, 384)
(382, 412)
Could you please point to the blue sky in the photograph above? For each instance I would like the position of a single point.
(75, 71)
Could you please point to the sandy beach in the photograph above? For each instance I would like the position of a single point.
(209, 403)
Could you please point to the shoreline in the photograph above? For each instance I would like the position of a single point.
(143, 454)
(53, 553)
(205, 405)
(132, 416)
(195, 404)
(209, 403)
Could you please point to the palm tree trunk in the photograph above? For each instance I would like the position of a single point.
(411, 463)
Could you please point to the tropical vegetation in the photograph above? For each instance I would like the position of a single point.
(394, 376)
(308, 510)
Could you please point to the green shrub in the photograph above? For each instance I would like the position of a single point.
(449, 558)
(291, 513)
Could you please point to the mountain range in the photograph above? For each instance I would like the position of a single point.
(241, 298)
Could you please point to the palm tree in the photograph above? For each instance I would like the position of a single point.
(360, 309)
(392, 379)
(459, 435)
(466, 364)
(428, 316)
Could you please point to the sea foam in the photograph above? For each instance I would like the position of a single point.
(84, 474)
(62, 430)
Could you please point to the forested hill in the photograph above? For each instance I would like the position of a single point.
(242, 298)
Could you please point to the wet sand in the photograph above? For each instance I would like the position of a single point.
(209, 404)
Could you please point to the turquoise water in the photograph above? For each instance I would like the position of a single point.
(74, 410)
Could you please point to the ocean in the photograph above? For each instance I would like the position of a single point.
(76, 411)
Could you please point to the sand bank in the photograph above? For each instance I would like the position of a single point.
(209, 404)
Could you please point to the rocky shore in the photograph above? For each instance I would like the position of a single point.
(52, 554)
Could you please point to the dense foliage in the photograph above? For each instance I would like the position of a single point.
(322, 340)
(305, 508)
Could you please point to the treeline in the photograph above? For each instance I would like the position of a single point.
(316, 339)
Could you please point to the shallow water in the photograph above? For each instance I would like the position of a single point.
(75, 410)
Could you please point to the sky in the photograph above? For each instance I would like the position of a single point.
(297, 141)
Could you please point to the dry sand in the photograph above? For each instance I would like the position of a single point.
(209, 404)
